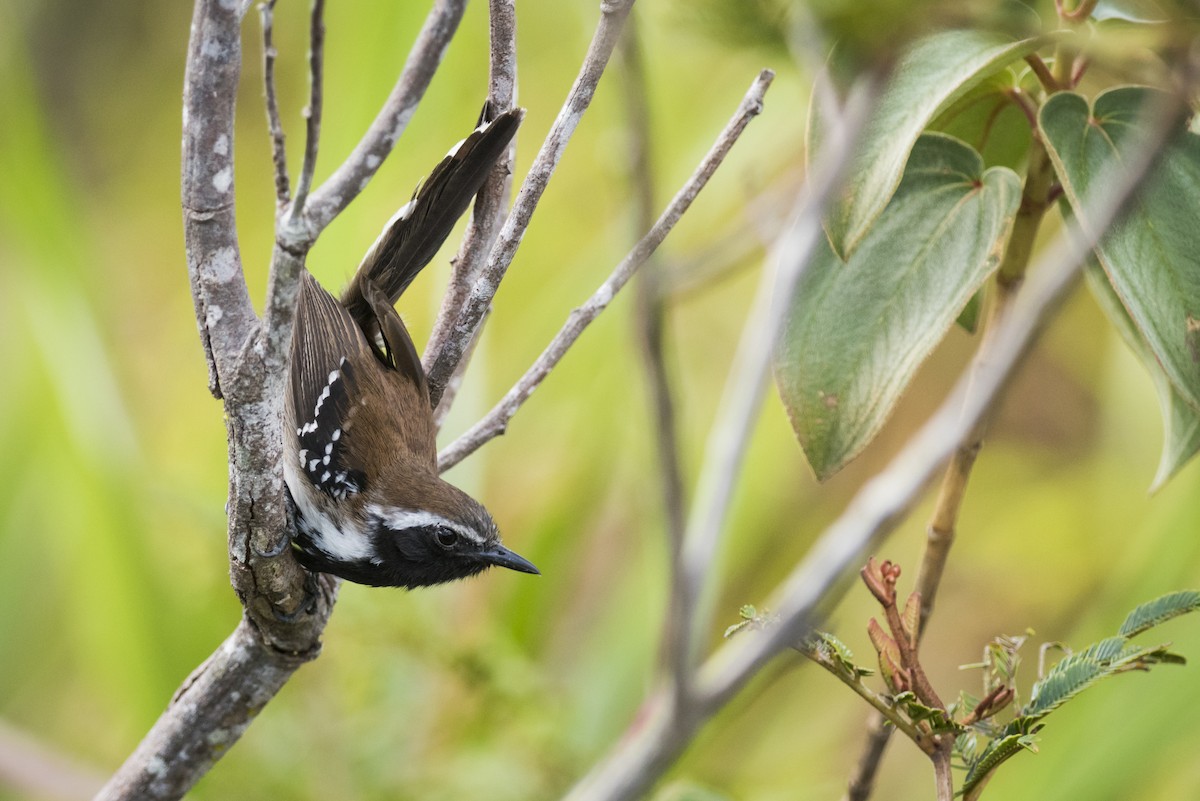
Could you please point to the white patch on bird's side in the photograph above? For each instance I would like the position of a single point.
(340, 544)
(399, 519)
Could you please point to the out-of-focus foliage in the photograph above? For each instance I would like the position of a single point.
(113, 582)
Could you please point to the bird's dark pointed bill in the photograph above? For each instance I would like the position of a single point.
(505, 558)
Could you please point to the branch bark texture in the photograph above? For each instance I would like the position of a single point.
(219, 700)
(491, 204)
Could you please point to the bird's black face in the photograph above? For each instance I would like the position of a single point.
(419, 555)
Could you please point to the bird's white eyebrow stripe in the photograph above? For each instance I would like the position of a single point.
(399, 519)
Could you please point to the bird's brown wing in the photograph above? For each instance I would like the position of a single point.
(328, 351)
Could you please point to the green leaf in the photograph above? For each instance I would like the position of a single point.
(826, 648)
(996, 752)
(1150, 614)
(857, 331)
(1144, 11)
(965, 746)
(987, 119)
(968, 318)
(933, 73)
(1060, 686)
(918, 712)
(1152, 257)
(910, 618)
(1181, 423)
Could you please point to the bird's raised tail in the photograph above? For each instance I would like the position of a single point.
(412, 237)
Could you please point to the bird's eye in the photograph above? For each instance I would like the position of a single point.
(446, 537)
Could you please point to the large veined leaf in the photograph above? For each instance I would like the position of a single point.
(858, 330)
(1181, 423)
(988, 120)
(933, 73)
(1152, 257)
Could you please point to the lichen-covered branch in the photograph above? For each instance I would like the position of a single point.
(223, 311)
(491, 203)
(207, 715)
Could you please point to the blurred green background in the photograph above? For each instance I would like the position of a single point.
(113, 575)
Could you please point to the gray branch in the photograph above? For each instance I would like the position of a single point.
(496, 421)
(442, 364)
(491, 203)
(206, 716)
(223, 311)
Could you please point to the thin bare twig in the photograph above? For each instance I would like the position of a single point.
(746, 382)
(312, 114)
(207, 715)
(862, 780)
(331, 197)
(442, 364)
(495, 422)
(283, 190)
(760, 224)
(491, 203)
(649, 318)
(293, 238)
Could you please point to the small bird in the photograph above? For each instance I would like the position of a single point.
(360, 459)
